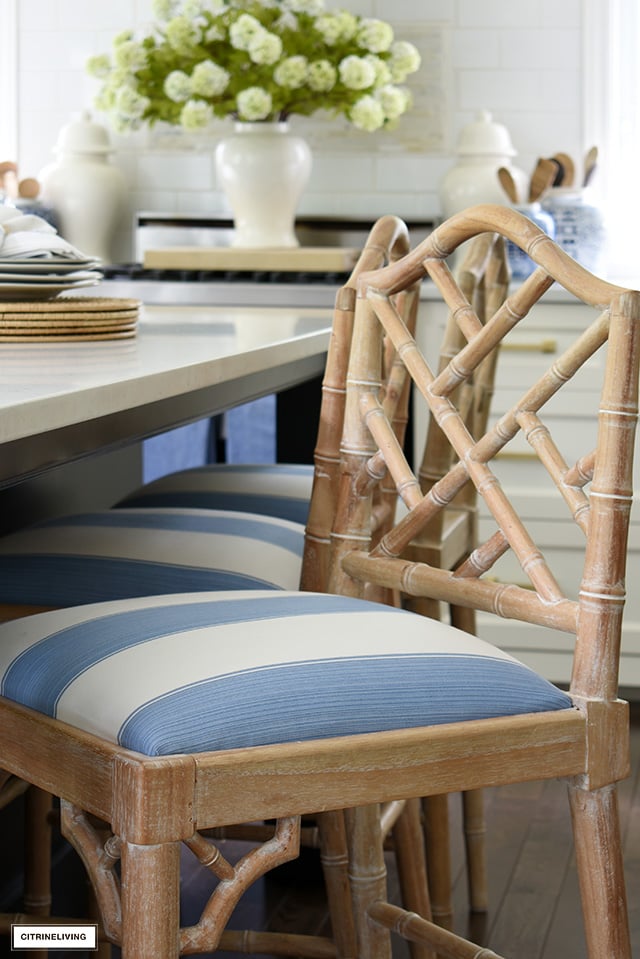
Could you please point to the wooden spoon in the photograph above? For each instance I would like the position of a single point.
(568, 167)
(9, 178)
(542, 178)
(28, 188)
(590, 163)
(508, 184)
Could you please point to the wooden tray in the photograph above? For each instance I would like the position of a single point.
(312, 259)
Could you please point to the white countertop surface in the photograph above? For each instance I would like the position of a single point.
(70, 399)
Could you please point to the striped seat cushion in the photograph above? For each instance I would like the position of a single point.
(274, 490)
(212, 671)
(116, 554)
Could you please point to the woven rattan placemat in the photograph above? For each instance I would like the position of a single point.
(68, 319)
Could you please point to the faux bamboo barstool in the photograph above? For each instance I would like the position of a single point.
(596, 489)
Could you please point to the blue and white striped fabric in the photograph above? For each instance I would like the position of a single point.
(214, 671)
(116, 554)
(275, 490)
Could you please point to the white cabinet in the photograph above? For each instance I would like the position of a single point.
(553, 324)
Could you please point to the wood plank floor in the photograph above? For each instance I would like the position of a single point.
(534, 908)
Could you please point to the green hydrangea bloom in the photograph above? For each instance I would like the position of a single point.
(209, 79)
(367, 114)
(195, 115)
(254, 103)
(177, 86)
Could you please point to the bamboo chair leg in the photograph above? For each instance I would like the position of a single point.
(37, 881)
(436, 817)
(463, 618)
(436, 832)
(335, 866)
(412, 869)
(473, 806)
(475, 846)
(150, 901)
(368, 879)
(435, 811)
(38, 807)
(600, 871)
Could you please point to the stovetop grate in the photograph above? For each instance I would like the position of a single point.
(137, 272)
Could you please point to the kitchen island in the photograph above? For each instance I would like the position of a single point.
(61, 401)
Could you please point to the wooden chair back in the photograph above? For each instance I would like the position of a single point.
(596, 489)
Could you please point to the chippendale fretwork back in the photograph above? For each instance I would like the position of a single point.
(596, 489)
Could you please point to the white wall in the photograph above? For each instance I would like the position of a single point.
(522, 61)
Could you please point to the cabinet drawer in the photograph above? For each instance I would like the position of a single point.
(529, 353)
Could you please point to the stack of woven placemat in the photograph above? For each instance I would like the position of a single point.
(68, 320)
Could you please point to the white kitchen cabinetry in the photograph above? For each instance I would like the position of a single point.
(553, 324)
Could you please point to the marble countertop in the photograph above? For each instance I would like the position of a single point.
(62, 400)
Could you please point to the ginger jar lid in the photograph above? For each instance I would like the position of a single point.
(83, 136)
(484, 136)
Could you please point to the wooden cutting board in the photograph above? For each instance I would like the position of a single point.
(311, 259)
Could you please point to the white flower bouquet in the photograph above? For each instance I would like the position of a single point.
(255, 60)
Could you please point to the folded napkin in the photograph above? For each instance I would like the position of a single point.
(25, 235)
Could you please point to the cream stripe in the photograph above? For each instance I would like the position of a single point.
(190, 548)
(184, 658)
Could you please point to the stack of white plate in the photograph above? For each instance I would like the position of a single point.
(41, 278)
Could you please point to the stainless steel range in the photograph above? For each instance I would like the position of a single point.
(243, 287)
(222, 288)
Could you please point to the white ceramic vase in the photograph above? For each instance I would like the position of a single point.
(263, 170)
(85, 190)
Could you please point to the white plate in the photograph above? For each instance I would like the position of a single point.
(39, 278)
(38, 291)
(55, 266)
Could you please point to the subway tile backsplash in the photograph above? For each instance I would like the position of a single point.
(521, 61)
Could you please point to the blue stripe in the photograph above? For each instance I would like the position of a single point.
(281, 507)
(241, 526)
(74, 580)
(39, 676)
(335, 698)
